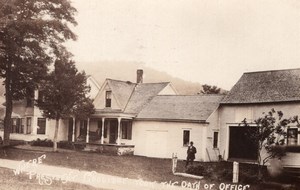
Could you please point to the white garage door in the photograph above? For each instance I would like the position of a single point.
(156, 144)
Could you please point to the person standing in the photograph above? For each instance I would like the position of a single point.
(191, 151)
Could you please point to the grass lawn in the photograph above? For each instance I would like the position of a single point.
(134, 167)
(9, 181)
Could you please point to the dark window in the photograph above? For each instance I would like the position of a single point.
(22, 123)
(292, 136)
(186, 137)
(216, 136)
(28, 125)
(16, 126)
(126, 129)
(108, 99)
(41, 126)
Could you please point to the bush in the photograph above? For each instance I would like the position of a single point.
(79, 146)
(222, 171)
(211, 170)
(198, 169)
(49, 143)
(65, 145)
(44, 143)
(225, 174)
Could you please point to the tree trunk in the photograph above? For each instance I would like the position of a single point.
(9, 107)
(260, 164)
(55, 135)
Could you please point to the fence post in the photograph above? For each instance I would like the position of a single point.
(235, 177)
(174, 162)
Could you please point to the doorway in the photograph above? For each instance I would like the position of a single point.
(241, 146)
(113, 131)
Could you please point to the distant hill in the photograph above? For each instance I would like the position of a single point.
(126, 71)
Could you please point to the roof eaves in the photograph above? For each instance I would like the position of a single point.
(116, 80)
(251, 72)
(173, 120)
(262, 102)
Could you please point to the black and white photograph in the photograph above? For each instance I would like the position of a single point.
(150, 94)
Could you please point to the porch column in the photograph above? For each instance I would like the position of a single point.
(87, 130)
(73, 132)
(102, 131)
(119, 131)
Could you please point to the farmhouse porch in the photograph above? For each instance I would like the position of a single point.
(111, 133)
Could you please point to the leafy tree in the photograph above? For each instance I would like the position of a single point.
(208, 89)
(64, 94)
(83, 109)
(270, 134)
(31, 34)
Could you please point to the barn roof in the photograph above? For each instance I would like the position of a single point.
(265, 87)
(176, 107)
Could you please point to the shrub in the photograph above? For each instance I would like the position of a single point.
(222, 171)
(198, 169)
(248, 177)
(79, 146)
(44, 143)
(65, 145)
(225, 174)
(49, 143)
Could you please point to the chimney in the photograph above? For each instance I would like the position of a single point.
(139, 76)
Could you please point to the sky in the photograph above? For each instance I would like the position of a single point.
(205, 41)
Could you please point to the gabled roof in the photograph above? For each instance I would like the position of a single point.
(176, 107)
(266, 87)
(132, 97)
(122, 90)
(142, 95)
